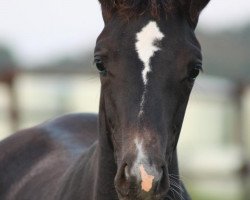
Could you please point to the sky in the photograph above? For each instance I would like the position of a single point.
(39, 30)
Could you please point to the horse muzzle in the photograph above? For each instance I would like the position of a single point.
(142, 180)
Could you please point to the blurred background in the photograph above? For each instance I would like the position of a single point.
(46, 70)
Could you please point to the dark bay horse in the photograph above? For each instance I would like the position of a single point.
(148, 58)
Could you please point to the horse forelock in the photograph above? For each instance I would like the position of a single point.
(133, 8)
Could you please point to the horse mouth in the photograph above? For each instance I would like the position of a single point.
(143, 198)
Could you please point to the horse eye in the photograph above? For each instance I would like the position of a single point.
(100, 66)
(194, 73)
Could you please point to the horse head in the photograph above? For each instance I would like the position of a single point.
(148, 58)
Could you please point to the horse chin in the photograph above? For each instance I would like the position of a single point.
(141, 196)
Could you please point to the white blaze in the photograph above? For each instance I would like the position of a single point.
(140, 158)
(140, 153)
(146, 47)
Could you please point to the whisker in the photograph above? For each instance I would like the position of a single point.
(178, 193)
(169, 197)
(173, 192)
(178, 176)
(175, 175)
(177, 179)
(177, 186)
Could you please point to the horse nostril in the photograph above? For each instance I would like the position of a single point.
(126, 172)
(123, 173)
(121, 180)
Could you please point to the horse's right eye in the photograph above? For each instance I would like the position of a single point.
(194, 73)
(100, 66)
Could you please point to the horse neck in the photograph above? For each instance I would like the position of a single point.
(106, 167)
(92, 176)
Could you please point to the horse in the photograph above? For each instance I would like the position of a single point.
(148, 58)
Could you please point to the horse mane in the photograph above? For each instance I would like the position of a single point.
(132, 8)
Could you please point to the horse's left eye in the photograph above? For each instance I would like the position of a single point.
(194, 73)
(100, 66)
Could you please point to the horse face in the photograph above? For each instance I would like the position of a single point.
(147, 66)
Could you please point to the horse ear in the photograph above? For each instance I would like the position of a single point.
(108, 7)
(193, 9)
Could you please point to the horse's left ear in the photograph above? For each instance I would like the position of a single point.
(108, 8)
(193, 9)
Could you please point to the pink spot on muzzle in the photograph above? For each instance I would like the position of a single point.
(147, 179)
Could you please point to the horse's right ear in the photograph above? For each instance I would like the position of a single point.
(108, 8)
(192, 9)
